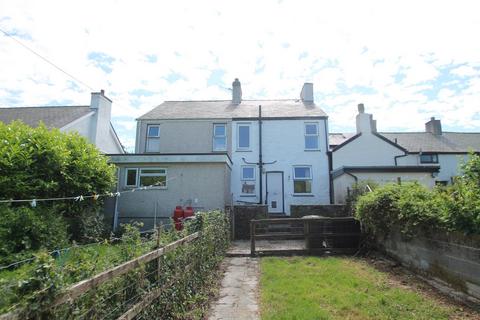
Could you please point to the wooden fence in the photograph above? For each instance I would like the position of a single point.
(78, 289)
(318, 235)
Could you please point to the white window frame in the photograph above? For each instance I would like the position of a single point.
(295, 178)
(244, 124)
(253, 179)
(126, 178)
(219, 136)
(140, 175)
(317, 135)
(433, 157)
(149, 138)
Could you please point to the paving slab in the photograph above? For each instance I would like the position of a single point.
(238, 298)
(241, 248)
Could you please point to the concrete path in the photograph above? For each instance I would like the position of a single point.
(238, 297)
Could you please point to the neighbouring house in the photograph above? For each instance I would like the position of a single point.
(92, 122)
(430, 157)
(212, 154)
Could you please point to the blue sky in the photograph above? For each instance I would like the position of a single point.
(406, 61)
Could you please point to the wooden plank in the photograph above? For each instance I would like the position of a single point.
(83, 286)
(285, 220)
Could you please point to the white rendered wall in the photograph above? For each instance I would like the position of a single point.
(366, 150)
(283, 143)
(341, 183)
(449, 164)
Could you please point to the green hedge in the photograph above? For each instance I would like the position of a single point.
(188, 272)
(413, 209)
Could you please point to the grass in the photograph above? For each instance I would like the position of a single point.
(338, 288)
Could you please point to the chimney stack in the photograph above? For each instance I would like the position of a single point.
(434, 127)
(236, 92)
(365, 122)
(307, 93)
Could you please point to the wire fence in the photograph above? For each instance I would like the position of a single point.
(163, 280)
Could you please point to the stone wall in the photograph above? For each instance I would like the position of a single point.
(241, 216)
(329, 210)
(453, 258)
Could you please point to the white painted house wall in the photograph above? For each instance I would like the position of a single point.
(345, 181)
(366, 150)
(449, 164)
(282, 143)
(96, 126)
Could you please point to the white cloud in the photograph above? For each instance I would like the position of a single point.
(376, 52)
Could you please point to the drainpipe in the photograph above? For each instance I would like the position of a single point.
(330, 176)
(115, 210)
(353, 176)
(400, 156)
(260, 160)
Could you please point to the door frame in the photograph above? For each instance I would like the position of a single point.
(283, 190)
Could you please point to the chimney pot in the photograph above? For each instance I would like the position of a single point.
(102, 92)
(361, 108)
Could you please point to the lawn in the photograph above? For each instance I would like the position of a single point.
(339, 288)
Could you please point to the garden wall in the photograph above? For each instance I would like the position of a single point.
(452, 258)
(329, 210)
(241, 216)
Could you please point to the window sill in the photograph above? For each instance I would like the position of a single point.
(220, 150)
(243, 150)
(248, 195)
(312, 150)
(303, 195)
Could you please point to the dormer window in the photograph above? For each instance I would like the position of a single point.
(153, 138)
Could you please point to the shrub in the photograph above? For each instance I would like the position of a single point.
(46, 163)
(24, 230)
(410, 207)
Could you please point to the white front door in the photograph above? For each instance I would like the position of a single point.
(274, 182)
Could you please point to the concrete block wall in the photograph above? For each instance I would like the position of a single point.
(241, 216)
(453, 258)
(329, 210)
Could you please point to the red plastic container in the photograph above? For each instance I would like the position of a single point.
(188, 212)
(178, 217)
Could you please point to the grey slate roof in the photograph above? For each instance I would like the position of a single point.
(224, 109)
(448, 142)
(52, 117)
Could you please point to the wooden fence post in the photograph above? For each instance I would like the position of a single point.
(252, 237)
(306, 230)
(159, 231)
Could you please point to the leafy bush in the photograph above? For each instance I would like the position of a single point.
(185, 276)
(413, 208)
(410, 207)
(24, 230)
(358, 189)
(46, 163)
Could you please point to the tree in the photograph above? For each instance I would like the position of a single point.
(40, 163)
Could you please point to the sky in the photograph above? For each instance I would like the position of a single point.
(406, 61)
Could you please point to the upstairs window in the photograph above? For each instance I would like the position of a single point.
(153, 138)
(248, 180)
(243, 142)
(429, 158)
(153, 177)
(311, 136)
(219, 137)
(302, 179)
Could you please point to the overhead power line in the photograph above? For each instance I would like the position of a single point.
(46, 60)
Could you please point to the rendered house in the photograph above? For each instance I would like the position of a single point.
(430, 157)
(210, 154)
(92, 122)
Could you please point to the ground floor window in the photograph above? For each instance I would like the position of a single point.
(302, 179)
(144, 177)
(248, 180)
